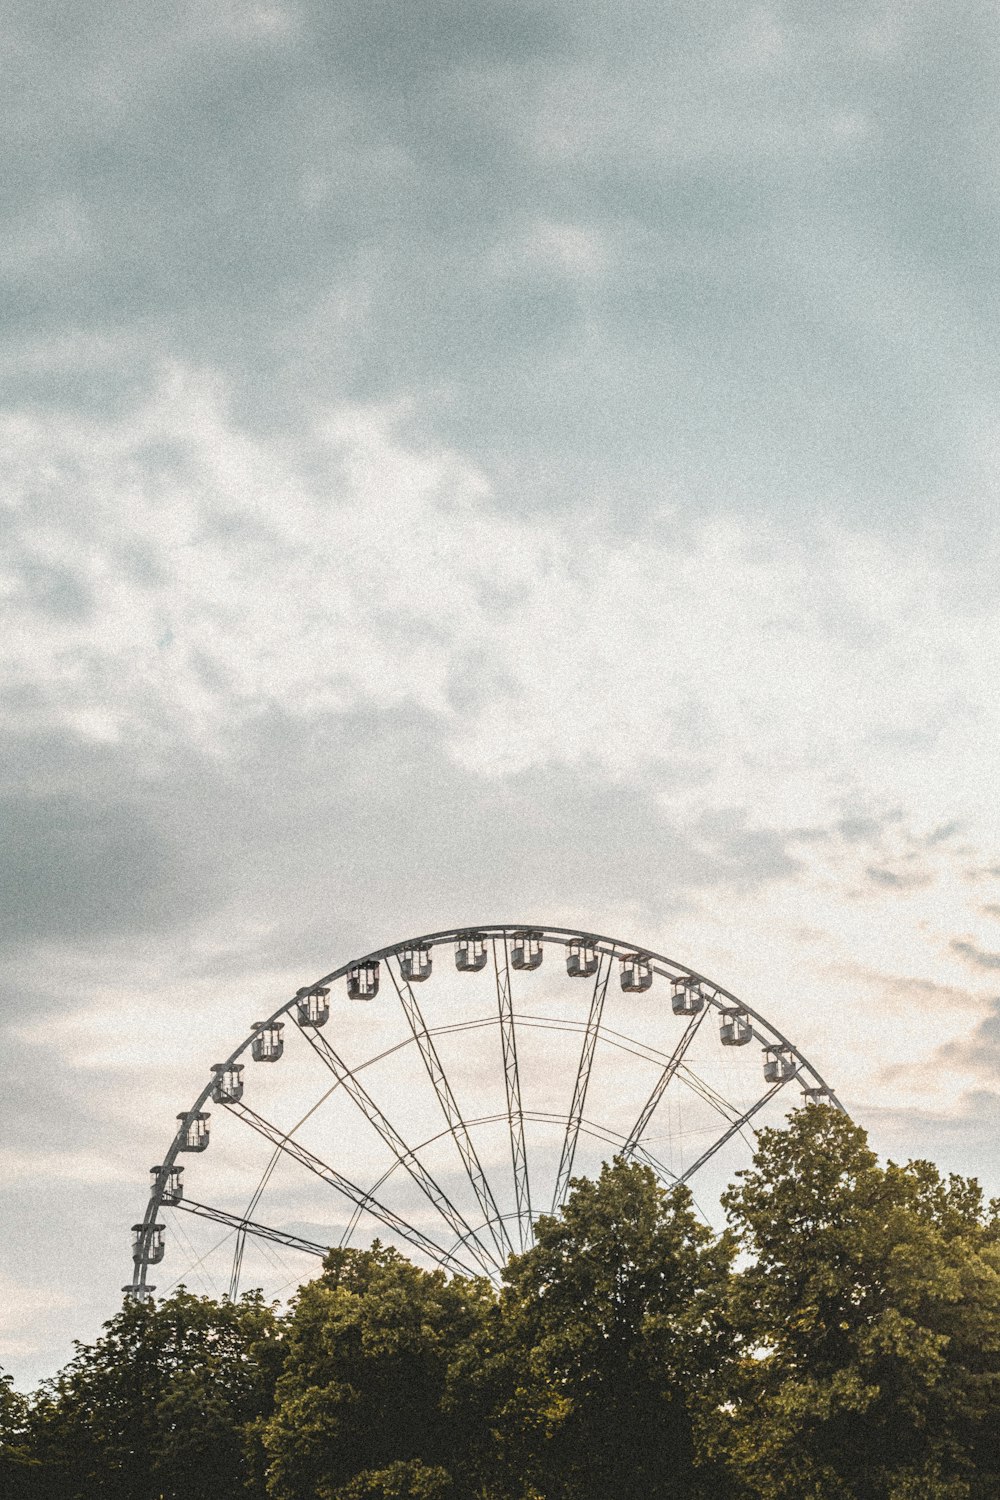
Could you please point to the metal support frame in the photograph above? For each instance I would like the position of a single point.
(512, 1082)
(350, 1190)
(705, 1091)
(246, 1226)
(660, 1087)
(575, 1123)
(452, 1113)
(582, 1080)
(406, 1157)
(241, 1237)
(736, 1125)
(598, 1132)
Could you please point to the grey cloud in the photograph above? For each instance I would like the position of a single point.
(475, 679)
(79, 864)
(962, 1140)
(73, 1117)
(779, 314)
(860, 829)
(63, 1227)
(55, 591)
(909, 989)
(901, 857)
(978, 957)
(899, 880)
(72, 868)
(387, 814)
(747, 855)
(365, 810)
(944, 833)
(981, 1051)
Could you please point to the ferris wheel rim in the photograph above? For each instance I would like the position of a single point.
(715, 996)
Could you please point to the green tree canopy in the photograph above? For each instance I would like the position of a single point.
(162, 1406)
(869, 1317)
(612, 1326)
(840, 1342)
(360, 1407)
(17, 1464)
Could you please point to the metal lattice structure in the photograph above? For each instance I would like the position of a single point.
(387, 1144)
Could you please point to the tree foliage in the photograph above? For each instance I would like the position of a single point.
(163, 1406)
(869, 1324)
(18, 1465)
(611, 1326)
(840, 1341)
(360, 1406)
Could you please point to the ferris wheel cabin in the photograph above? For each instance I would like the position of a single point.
(470, 953)
(194, 1131)
(526, 951)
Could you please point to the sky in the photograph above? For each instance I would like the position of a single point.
(488, 462)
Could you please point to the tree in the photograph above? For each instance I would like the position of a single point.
(410, 1479)
(18, 1469)
(163, 1406)
(612, 1326)
(869, 1321)
(360, 1407)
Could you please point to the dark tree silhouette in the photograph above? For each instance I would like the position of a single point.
(869, 1320)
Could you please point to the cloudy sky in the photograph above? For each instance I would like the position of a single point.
(493, 461)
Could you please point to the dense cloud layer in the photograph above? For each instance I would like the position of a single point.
(480, 463)
(727, 255)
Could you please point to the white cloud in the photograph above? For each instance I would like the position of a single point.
(59, 1166)
(225, 574)
(475, 544)
(754, 678)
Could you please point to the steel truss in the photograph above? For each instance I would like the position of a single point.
(512, 1085)
(407, 1159)
(737, 1125)
(582, 1082)
(250, 1226)
(350, 1190)
(452, 1113)
(660, 1087)
(479, 1243)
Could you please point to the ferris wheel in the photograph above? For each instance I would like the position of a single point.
(446, 1124)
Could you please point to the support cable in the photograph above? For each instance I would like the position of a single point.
(249, 1226)
(660, 1087)
(727, 1135)
(705, 1091)
(582, 1080)
(404, 1155)
(512, 1082)
(456, 1124)
(350, 1190)
(241, 1239)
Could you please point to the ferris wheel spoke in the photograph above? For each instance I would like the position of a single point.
(666, 1176)
(348, 1189)
(404, 1155)
(453, 1116)
(475, 1237)
(641, 1153)
(736, 1126)
(582, 1080)
(512, 1083)
(245, 1226)
(711, 1096)
(660, 1087)
(241, 1238)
